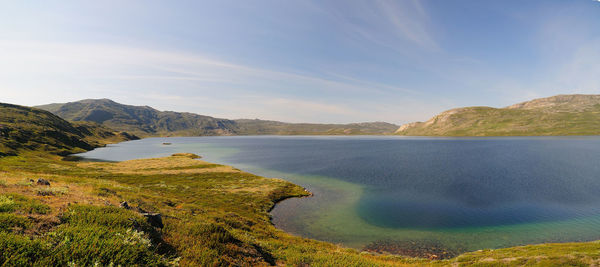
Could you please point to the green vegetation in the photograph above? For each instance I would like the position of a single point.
(84, 236)
(263, 127)
(558, 115)
(146, 121)
(565, 254)
(21, 204)
(27, 129)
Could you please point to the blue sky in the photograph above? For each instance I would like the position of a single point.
(299, 61)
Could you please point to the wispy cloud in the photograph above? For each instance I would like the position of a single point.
(387, 23)
(118, 62)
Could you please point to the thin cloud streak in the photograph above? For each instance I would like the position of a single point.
(47, 57)
(374, 20)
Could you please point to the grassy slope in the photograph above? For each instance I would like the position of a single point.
(24, 128)
(146, 121)
(559, 115)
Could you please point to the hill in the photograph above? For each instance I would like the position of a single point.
(557, 115)
(140, 120)
(147, 121)
(32, 129)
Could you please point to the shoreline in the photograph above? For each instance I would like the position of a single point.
(277, 201)
(417, 249)
(307, 193)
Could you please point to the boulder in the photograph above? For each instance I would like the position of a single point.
(154, 219)
(41, 181)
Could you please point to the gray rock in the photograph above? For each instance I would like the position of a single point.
(41, 181)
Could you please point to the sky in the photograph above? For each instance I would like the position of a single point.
(299, 61)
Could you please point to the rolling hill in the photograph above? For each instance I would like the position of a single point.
(147, 121)
(28, 129)
(556, 115)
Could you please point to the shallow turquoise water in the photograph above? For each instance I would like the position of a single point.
(461, 193)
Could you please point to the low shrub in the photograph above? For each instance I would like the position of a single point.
(16, 202)
(7, 204)
(10, 222)
(18, 250)
(87, 245)
(110, 216)
(94, 235)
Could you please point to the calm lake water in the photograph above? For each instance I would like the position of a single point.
(459, 193)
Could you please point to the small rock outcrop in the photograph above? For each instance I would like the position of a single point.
(41, 181)
(124, 205)
(154, 219)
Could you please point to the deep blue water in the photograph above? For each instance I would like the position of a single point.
(450, 186)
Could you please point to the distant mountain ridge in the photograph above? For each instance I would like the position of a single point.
(31, 129)
(556, 115)
(147, 121)
(141, 120)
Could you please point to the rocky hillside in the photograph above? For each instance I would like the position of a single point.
(557, 115)
(29, 129)
(140, 120)
(147, 121)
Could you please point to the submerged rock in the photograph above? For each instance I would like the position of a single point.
(428, 249)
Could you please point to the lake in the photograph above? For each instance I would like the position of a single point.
(457, 194)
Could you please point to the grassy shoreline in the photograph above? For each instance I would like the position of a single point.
(213, 215)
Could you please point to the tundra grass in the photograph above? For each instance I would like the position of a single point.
(213, 215)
